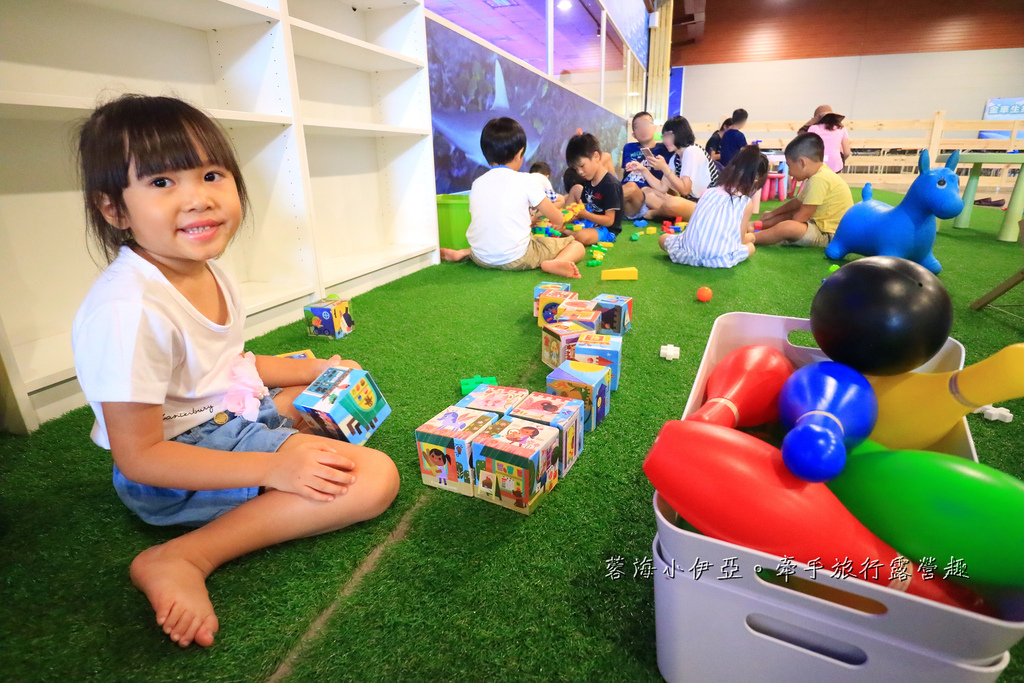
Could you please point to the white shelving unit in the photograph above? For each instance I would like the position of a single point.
(327, 105)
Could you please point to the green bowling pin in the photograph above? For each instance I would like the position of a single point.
(934, 505)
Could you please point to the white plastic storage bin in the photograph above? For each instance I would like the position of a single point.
(708, 633)
(858, 608)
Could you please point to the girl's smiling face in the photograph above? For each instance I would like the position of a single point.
(181, 219)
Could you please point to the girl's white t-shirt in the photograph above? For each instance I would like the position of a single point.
(693, 163)
(137, 339)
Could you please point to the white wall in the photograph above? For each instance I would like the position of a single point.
(903, 86)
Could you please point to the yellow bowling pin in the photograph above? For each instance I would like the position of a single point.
(917, 409)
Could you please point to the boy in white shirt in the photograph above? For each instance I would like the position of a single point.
(499, 205)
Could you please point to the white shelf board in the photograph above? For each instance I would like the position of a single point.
(261, 296)
(46, 107)
(198, 14)
(45, 361)
(344, 268)
(315, 42)
(346, 129)
(383, 4)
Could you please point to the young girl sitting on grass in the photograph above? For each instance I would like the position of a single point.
(719, 234)
(196, 437)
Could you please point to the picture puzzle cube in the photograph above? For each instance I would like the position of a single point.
(305, 353)
(564, 414)
(344, 404)
(330, 317)
(558, 342)
(589, 383)
(575, 306)
(589, 320)
(516, 463)
(604, 350)
(493, 399)
(445, 448)
(616, 313)
(542, 287)
(550, 300)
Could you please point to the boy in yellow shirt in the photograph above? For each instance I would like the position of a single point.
(811, 217)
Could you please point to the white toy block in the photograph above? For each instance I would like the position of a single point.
(990, 412)
(1001, 414)
(670, 352)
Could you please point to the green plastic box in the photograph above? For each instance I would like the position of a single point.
(453, 220)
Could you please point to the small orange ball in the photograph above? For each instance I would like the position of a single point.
(704, 294)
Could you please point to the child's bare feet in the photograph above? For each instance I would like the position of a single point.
(176, 588)
(564, 268)
(454, 254)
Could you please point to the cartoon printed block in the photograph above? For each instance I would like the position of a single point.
(588, 382)
(445, 448)
(616, 313)
(330, 317)
(564, 414)
(589, 320)
(542, 287)
(550, 300)
(558, 342)
(344, 404)
(575, 305)
(305, 353)
(493, 399)
(601, 349)
(516, 463)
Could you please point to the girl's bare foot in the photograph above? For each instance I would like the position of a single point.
(564, 268)
(454, 254)
(176, 588)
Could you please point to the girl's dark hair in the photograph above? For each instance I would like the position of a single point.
(746, 172)
(681, 131)
(831, 121)
(725, 124)
(571, 178)
(156, 134)
(501, 140)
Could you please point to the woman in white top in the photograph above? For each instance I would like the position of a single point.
(685, 176)
(719, 234)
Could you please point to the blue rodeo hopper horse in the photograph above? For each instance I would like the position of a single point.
(874, 228)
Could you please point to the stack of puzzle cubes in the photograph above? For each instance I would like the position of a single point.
(502, 444)
(581, 340)
(511, 447)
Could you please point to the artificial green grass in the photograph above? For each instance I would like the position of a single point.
(475, 591)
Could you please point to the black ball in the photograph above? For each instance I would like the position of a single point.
(881, 315)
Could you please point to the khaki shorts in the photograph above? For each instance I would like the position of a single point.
(541, 248)
(814, 237)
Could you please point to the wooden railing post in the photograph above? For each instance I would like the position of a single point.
(935, 139)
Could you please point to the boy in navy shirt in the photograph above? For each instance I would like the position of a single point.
(733, 140)
(633, 184)
(600, 191)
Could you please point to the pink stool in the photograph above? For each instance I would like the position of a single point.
(774, 186)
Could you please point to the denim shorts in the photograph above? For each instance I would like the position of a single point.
(164, 507)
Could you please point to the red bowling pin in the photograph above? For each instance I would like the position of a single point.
(736, 488)
(743, 389)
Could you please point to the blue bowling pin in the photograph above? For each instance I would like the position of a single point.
(827, 408)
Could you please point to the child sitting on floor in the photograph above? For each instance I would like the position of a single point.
(541, 171)
(719, 234)
(634, 204)
(811, 217)
(499, 207)
(733, 140)
(600, 190)
(158, 347)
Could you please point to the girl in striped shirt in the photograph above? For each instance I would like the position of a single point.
(719, 234)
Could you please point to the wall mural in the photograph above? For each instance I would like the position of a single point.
(470, 84)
